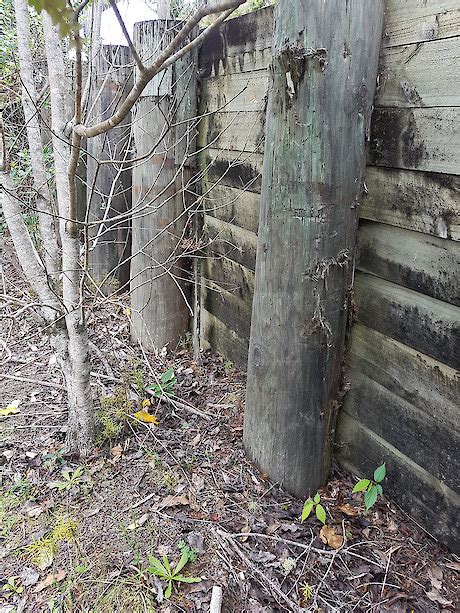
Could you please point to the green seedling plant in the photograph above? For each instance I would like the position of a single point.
(13, 587)
(314, 503)
(165, 387)
(371, 488)
(163, 570)
(70, 479)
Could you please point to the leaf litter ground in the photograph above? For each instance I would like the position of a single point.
(85, 545)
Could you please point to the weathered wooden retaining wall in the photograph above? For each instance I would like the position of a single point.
(403, 360)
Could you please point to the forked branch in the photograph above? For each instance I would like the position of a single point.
(168, 56)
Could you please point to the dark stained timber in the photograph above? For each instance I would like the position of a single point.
(324, 68)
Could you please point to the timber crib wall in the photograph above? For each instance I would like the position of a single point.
(403, 358)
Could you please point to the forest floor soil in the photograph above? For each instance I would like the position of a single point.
(79, 536)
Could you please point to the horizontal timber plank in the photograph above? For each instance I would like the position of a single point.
(421, 322)
(429, 385)
(421, 74)
(236, 206)
(215, 335)
(240, 44)
(424, 202)
(416, 138)
(412, 21)
(426, 264)
(417, 491)
(236, 131)
(430, 443)
(234, 168)
(231, 241)
(231, 276)
(240, 92)
(226, 306)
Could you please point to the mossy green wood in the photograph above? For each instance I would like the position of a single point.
(323, 74)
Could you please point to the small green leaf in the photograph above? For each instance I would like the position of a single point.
(361, 485)
(317, 498)
(379, 488)
(307, 508)
(320, 513)
(183, 561)
(166, 564)
(184, 579)
(168, 590)
(168, 376)
(379, 473)
(157, 568)
(370, 497)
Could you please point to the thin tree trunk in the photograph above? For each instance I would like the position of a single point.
(324, 70)
(51, 310)
(81, 427)
(46, 219)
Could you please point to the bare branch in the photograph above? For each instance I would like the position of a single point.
(134, 53)
(162, 62)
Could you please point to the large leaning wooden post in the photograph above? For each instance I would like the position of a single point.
(109, 184)
(159, 310)
(323, 74)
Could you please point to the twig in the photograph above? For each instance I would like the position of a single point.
(269, 586)
(100, 355)
(216, 599)
(34, 381)
(140, 503)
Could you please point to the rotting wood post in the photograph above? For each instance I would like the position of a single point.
(109, 185)
(323, 74)
(159, 310)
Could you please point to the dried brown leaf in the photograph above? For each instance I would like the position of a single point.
(349, 509)
(50, 580)
(330, 537)
(435, 596)
(173, 501)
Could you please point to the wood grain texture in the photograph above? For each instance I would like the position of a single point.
(421, 322)
(239, 45)
(237, 92)
(421, 74)
(424, 202)
(313, 165)
(426, 264)
(227, 307)
(242, 170)
(224, 341)
(159, 311)
(421, 494)
(413, 21)
(237, 206)
(415, 377)
(226, 239)
(430, 443)
(231, 276)
(241, 131)
(109, 185)
(416, 138)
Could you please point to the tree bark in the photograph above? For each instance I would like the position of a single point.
(324, 69)
(81, 426)
(46, 219)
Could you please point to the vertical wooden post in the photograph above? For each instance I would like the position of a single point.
(160, 315)
(186, 98)
(324, 69)
(109, 185)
